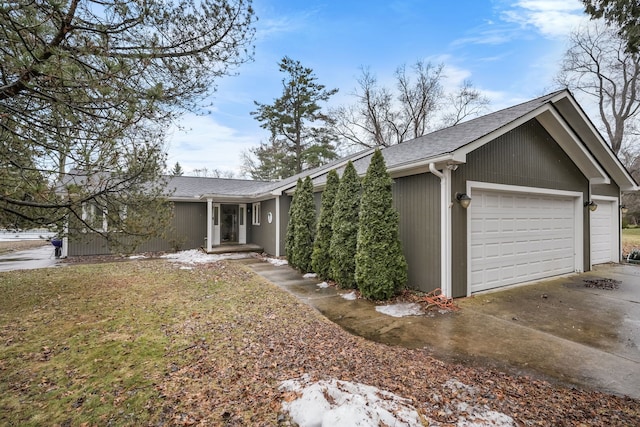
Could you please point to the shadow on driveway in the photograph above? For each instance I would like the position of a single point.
(559, 329)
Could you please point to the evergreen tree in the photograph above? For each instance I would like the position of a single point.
(345, 228)
(305, 227)
(381, 269)
(321, 257)
(177, 170)
(289, 245)
(301, 133)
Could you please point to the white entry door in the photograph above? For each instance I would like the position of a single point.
(242, 223)
(519, 237)
(604, 232)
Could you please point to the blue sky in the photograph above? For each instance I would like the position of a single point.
(510, 50)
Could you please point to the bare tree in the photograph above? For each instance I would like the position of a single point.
(598, 65)
(383, 117)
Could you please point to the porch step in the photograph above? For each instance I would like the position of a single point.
(234, 247)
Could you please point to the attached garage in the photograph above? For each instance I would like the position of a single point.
(604, 231)
(519, 234)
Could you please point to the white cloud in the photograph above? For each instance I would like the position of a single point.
(552, 18)
(202, 142)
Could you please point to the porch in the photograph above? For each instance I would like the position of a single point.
(234, 248)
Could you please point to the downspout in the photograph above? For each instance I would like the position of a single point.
(445, 229)
(277, 254)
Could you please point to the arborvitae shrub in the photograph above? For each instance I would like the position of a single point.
(345, 228)
(305, 226)
(381, 268)
(291, 228)
(321, 257)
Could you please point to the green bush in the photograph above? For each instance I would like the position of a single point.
(321, 257)
(345, 228)
(289, 241)
(381, 268)
(305, 226)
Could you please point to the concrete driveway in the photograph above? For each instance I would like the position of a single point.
(563, 329)
(28, 259)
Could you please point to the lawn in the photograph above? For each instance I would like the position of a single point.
(149, 342)
(630, 239)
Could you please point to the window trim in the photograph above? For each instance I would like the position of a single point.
(255, 213)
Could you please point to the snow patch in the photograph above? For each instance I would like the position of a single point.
(137, 257)
(310, 276)
(323, 285)
(334, 403)
(350, 296)
(194, 256)
(400, 309)
(276, 261)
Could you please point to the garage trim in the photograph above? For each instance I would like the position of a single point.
(614, 227)
(577, 197)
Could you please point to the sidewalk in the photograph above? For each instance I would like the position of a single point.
(556, 330)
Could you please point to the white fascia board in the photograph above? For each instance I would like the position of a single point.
(463, 151)
(573, 146)
(602, 150)
(278, 191)
(227, 198)
(422, 166)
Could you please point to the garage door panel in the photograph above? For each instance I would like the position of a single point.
(518, 237)
(604, 236)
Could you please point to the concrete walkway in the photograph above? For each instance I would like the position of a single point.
(29, 259)
(559, 330)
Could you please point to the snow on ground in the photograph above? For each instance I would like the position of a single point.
(323, 285)
(310, 276)
(342, 403)
(194, 256)
(350, 296)
(400, 309)
(276, 261)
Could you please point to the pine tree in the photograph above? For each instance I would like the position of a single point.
(291, 229)
(345, 228)
(381, 269)
(321, 256)
(305, 227)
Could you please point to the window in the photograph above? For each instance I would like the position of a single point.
(94, 217)
(256, 214)
(241, 215)
(216, 216)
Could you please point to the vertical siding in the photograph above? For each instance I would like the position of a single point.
(417, 200)
(190, 222)
(285, 205)
(526, 156)
(606, 190)
(265, 233)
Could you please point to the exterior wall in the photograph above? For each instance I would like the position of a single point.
(417, 200)
(189, 229)
(265, 233)
(285, 204)
(526, 156)
(611, 190)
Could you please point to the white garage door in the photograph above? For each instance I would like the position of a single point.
(518, 237)
(603, 238)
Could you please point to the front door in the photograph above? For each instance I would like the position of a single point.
(229, 225)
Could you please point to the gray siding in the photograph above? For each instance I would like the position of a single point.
(526, 156)
(606, 190)
(188, 231)
(285, 205)
(265, 233)
(417, 200)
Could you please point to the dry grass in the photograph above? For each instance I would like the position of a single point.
(19, 245)
(630, 239)
(149, 343)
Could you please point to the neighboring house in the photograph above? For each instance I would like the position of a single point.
(533, 173)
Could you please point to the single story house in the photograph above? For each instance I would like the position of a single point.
(543, 190)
